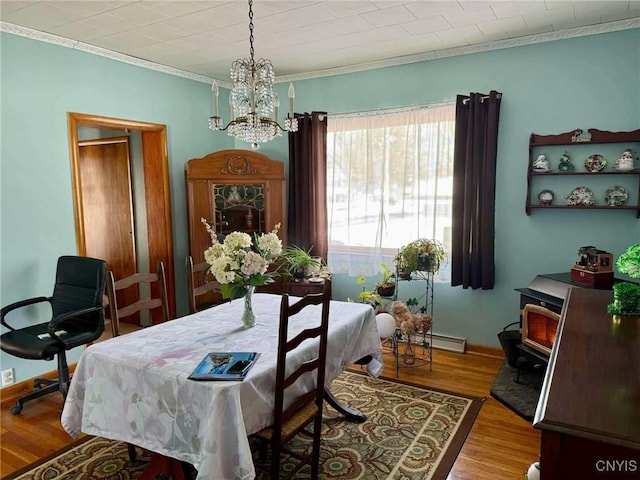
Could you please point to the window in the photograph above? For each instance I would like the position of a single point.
(389, 182)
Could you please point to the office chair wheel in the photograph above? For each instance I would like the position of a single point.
(16, 409)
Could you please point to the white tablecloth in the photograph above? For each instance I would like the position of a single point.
(135, 387)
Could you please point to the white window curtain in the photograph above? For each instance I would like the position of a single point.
(389, 182)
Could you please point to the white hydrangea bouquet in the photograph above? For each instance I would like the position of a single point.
(240, 262)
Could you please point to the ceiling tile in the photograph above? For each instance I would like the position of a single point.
(390, 16)
(392, 32)
(557, 18)
(10, 6)
(79, 31)
(512, 26)
(224, 15)
(189, 24)
(295, 18)
(161, 32)
(460, 36)
(126, 41)
(139, 13)
(427, 9)
(427, 25)
(511, 9)
(110, 23)
(173, 8)
(41, 15)
(470, 17)
(89, 8)
(342, 8)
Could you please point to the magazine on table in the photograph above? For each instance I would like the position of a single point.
(225, 366)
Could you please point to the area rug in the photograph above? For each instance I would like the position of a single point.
(410, 433)
(521, 397)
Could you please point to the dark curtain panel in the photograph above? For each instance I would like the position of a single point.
(474, 187)
(307, 219)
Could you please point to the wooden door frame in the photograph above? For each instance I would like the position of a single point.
(157, 192)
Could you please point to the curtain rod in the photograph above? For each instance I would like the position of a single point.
(482, 98)
(389, 110)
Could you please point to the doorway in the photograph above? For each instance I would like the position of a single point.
(103, 163)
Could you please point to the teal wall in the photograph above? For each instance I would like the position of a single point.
(588, 82)
(40, 83)
(548, 88)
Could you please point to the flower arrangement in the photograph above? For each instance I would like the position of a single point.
(421, 255)
(240, 262)
(408, 322)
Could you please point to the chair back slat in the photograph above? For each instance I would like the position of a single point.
(317, 364)
(156, 282)
(200, 282)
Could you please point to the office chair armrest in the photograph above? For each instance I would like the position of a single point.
(22, 303)
(58, 321)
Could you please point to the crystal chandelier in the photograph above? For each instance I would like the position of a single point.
(253, 104)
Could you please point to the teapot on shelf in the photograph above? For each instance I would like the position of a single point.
(625, 162)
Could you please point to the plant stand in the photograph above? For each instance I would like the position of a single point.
(415, 350)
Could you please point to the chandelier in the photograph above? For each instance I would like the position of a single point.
(253, 104)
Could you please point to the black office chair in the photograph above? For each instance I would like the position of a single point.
(77, 318)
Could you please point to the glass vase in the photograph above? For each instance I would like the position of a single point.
(409, 357)
(248, 317)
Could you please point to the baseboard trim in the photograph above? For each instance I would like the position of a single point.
(11, 393)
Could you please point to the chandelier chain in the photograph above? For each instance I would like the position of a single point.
(251, 50)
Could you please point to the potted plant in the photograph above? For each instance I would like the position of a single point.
(626, 295)
(425, 255)
(299, 262)
(386, 286)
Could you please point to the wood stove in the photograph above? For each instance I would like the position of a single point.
(544, 297)
(539, 327)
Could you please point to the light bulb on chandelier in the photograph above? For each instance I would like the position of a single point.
(253, 105)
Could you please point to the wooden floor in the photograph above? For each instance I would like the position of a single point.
(501, 445)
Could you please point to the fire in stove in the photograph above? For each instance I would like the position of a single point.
(539, 327)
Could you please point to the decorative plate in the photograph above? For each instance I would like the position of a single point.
(580, 196)
(594, 163)
(616, 196)
(545, 197)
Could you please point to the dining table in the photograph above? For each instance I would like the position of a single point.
(135, 387)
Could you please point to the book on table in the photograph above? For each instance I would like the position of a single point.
(225, 366)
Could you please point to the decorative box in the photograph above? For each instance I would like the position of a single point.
(587, 279)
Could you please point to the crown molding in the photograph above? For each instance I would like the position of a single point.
(391, 62)
(102, 52)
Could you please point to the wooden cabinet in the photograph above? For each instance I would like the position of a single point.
(547, 189)
(589, 407)
(238, 190)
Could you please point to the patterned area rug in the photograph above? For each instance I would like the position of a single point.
(410, 433)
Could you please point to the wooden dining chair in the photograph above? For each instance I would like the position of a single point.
(200, 285)
(154, 283)
(305, 410)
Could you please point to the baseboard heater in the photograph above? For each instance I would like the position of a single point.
(445, 342)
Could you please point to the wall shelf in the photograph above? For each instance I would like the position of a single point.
(579, 146)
